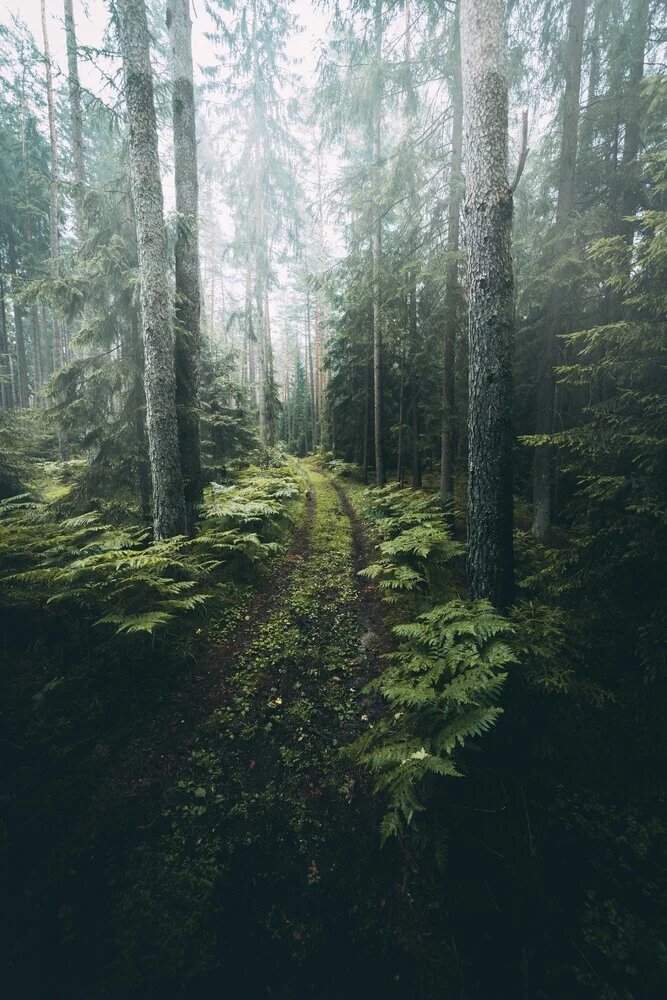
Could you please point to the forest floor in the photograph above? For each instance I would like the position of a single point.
(230, 848)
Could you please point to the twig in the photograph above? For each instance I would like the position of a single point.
(523, 151)
(530, 833)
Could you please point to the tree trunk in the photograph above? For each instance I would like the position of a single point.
(36, 353)
(367, 417)
(639, 25)
(490, 291)
(6, 391)
(553, 326)
(261, 360)
(310, 369)
(137, 394)
(268, 348)
(76, 116)
(452, 282)
(53, 208)
(414, 388)
(318, 369)
(27, 236)
(248, 349)
(401, 401)
(23, 396)
(188, 305)
(156, 302)
(138, 404)
(376, 110)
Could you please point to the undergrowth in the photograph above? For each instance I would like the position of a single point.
(257, 829)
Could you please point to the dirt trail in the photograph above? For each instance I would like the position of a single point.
(231, 844)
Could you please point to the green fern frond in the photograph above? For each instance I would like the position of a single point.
(441, 688)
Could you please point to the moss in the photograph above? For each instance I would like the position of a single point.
(264, 786)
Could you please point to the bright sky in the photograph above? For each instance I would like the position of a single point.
(92, 17)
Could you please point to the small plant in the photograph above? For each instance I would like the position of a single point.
(441, 689)
(115, 575)
(415, 549)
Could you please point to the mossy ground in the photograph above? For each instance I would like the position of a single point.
(264, 874)
(229, 848)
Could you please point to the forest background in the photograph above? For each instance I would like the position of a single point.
(424, 244)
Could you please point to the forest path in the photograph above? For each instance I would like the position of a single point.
(243, 852)
(253, 876)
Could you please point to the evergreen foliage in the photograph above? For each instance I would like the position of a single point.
(441, 687)
(114, 575)
(180, 814)
(415, 547)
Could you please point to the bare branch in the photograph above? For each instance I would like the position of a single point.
(523, 151)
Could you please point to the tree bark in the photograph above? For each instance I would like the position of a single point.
(137, 395)
(401, 399)
(367, 413)
(553, 325)
(452, 292)
(6, 390)
(188, 305)
(248, 348)
(270, 383)
(414, 387)
(27, 236)
(376, 246)
(156, 302)
(55, 177)
(76, 116)
(21, 359)
(311, 371)
(490, 291)
(261, 360)
(639, 25)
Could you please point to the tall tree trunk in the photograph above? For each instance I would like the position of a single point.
(248, 351)
(490, 290)
(639, 25)
(135, 351)
(188, 305)
(310, 368)
(138, 404)
(55, 177)
(318, 369)
(401, 403)
(261, 271)
(414, 387)
(268, 348)
(452, 294)
(27, 236)
(553, 325)
(36, 339)
(367, 416)
(376, 245)
(76, 116)
(156, 303)
(261, 360)
(6, 391)
(21, 360)
(588, 119)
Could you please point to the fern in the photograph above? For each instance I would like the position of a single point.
(441, 688)
(415, 549)
(116, 576)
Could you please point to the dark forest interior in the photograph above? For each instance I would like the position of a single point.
(333, 499)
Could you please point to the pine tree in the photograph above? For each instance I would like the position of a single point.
(156, 299)
(490, 291)
(188, 306)
(553, 321)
